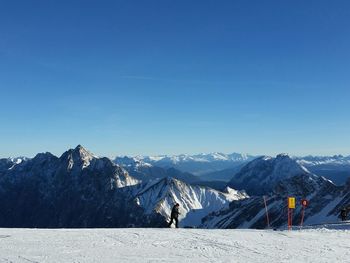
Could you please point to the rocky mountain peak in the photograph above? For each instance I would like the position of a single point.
(78, 156)
(83, 153)
(262, 174)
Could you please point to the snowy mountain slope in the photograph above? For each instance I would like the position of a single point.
(325, 202)
(323, 160)
(198, 164)
(144, 171)
(335, 168)
(195, 201)
(77, 189)
(169, 245)
(261, 175)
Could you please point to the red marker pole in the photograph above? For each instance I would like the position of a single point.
(288, 213)
(302, 216)
(304, 204)
(289, 219)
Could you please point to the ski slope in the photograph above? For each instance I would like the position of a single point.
(173, 245)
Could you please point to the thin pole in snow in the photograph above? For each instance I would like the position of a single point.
(267, 213)
(302, 217)
(290, 218)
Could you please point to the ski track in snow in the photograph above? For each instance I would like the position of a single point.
(173, 245)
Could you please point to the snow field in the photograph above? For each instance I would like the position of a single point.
(173, 245)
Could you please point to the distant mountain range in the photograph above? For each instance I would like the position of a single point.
(198, 164)
(145, 171)
(222, 167)
(79, 189)
(336, 168)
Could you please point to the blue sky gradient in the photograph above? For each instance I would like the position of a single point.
(168, 77)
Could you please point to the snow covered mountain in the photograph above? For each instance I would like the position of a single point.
(323, 160)
(325, 202)
(222, 167)
(77, 189)
(335, 168)
(198, 164)
(195, 201)
(262, 174)
(145, 171)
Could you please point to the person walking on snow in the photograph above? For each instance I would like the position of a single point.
(175, 215)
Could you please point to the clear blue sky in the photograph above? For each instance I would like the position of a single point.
(167, 77)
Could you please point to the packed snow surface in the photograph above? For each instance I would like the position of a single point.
(173, 245)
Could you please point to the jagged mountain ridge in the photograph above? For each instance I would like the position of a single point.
(79, 189)
(144, 171)
(335, 168)
(261, 175)
(198, 164)
(320, 160)
(219, 166)
(74, 190)
(222, 167)
(325, 202)
(195, 201)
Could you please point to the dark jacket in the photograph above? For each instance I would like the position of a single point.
(175, 211)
